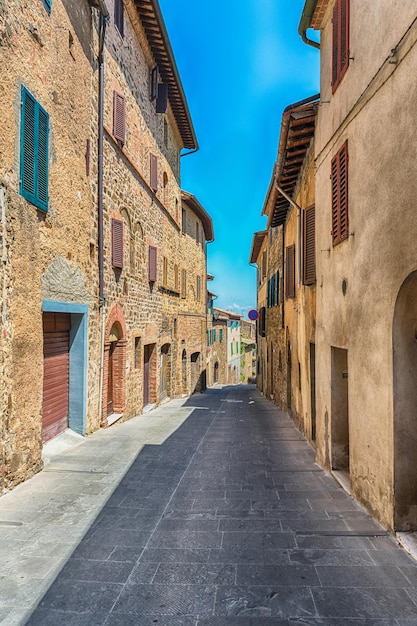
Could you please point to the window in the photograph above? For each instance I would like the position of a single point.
(48, 5)
(165, 272)
(184, 221)
(152, 267)
(162, 98)
(119, 117)
(198, 288)
(197, 232)
(309, 257)
(137, 354)
(290, 272)
(264, 262)
(339, 176)
(273, 290)
(221, 335)
(165, 190)
(165, 133)
(176, 278)
(262, 322)
(340, 60)
(119, 16)
(153, 173)
(34, 135)
(183, 283)
(153, 81)
(117, 243)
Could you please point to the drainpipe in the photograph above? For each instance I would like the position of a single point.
(305, 22)
(299, 209)
(103, 19)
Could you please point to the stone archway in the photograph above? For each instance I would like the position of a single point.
(404, 338)
(114, 366)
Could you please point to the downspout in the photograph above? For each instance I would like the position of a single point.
(299, 210)
(305, 22)
(103, 19)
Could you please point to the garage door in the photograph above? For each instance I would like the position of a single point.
(56, 327)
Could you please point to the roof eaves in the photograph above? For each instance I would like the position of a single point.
(153, 24)
(257, 240)
(198, 209)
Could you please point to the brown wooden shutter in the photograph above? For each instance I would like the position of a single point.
(309, 265)
(152, 269)
(162, 98)
(290, 272)
(339, 176)
(117, 243)
(119, 117)
(183, 283)
(153, 172)
(340, 41)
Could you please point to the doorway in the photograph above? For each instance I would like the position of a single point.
(313, 390)
(340, 412)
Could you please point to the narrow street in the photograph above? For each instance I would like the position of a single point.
(228, 522)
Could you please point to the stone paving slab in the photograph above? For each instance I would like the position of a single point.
(203, 512)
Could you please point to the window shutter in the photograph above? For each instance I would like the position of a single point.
(184, 222)
(153, 172)
(276, 294)
(183, 283)
(340, 61)
(119, 117)
(309, 267)
(152, 267)
(48, 5)
(117, 243)
(339, 176)
(34, 152)
(290, 272)
(162, 98)
(262, 322)
(118, 16)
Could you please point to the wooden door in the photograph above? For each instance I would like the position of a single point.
(110, 379)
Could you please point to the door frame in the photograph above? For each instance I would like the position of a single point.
(78, 360)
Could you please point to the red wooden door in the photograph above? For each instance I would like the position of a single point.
(56, 327)
(110, 379)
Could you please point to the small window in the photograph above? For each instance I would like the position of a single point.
(184, 221)
(290, 272)
(165, 133)
(197, 232)
(165, 272)
(176, 278)
(117, 243)
(136, 356)
(119, 16)
(198, 288)
(34, 136)
(119, 117)
(340, 61)
(183, 283)
(48, 5)
(339, 176)
(153, 174)
(309, 257)
(220, 334)
(153, 82)
(152, 267)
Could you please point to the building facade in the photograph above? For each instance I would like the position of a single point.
(93, 123)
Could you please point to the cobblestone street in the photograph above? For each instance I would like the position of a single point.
(228, 522)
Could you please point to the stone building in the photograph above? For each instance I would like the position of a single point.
(259, 258)
(366, 185)
(93, 122)
(291, 278)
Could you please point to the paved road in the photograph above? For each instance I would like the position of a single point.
(228, 522)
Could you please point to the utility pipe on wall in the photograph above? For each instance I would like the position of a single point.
(299, 211)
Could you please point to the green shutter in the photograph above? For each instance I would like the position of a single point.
(48, 5)
(34, 151)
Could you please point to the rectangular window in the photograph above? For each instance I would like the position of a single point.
(198, 288)
(220, 334)
(117, 243)
(340, 61)
(264, 265)
(184, 221)
(183, 283)
(119, 117)
(290, 272)
(176, 278)
(339, 176)
(119, 16)
(309, 256)
(165, 272)
(152, 267)
(136, 356)
(276, 289)
(231, 348)
(153, 172)
(197, 232)
(34, 136)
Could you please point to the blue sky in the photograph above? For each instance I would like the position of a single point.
(241, 63)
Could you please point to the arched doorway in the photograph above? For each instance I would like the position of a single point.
(405, 405)
(184, 386)
(216, 372)
(164, 371)
(114, 371)
(195, 371)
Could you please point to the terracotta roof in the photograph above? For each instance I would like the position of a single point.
(153, 24)
(257, 242)
(205, 218)
(297, 131)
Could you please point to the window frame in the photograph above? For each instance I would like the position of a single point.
(340, 41)
(119, 17)
(340, 194)
(34, 160)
